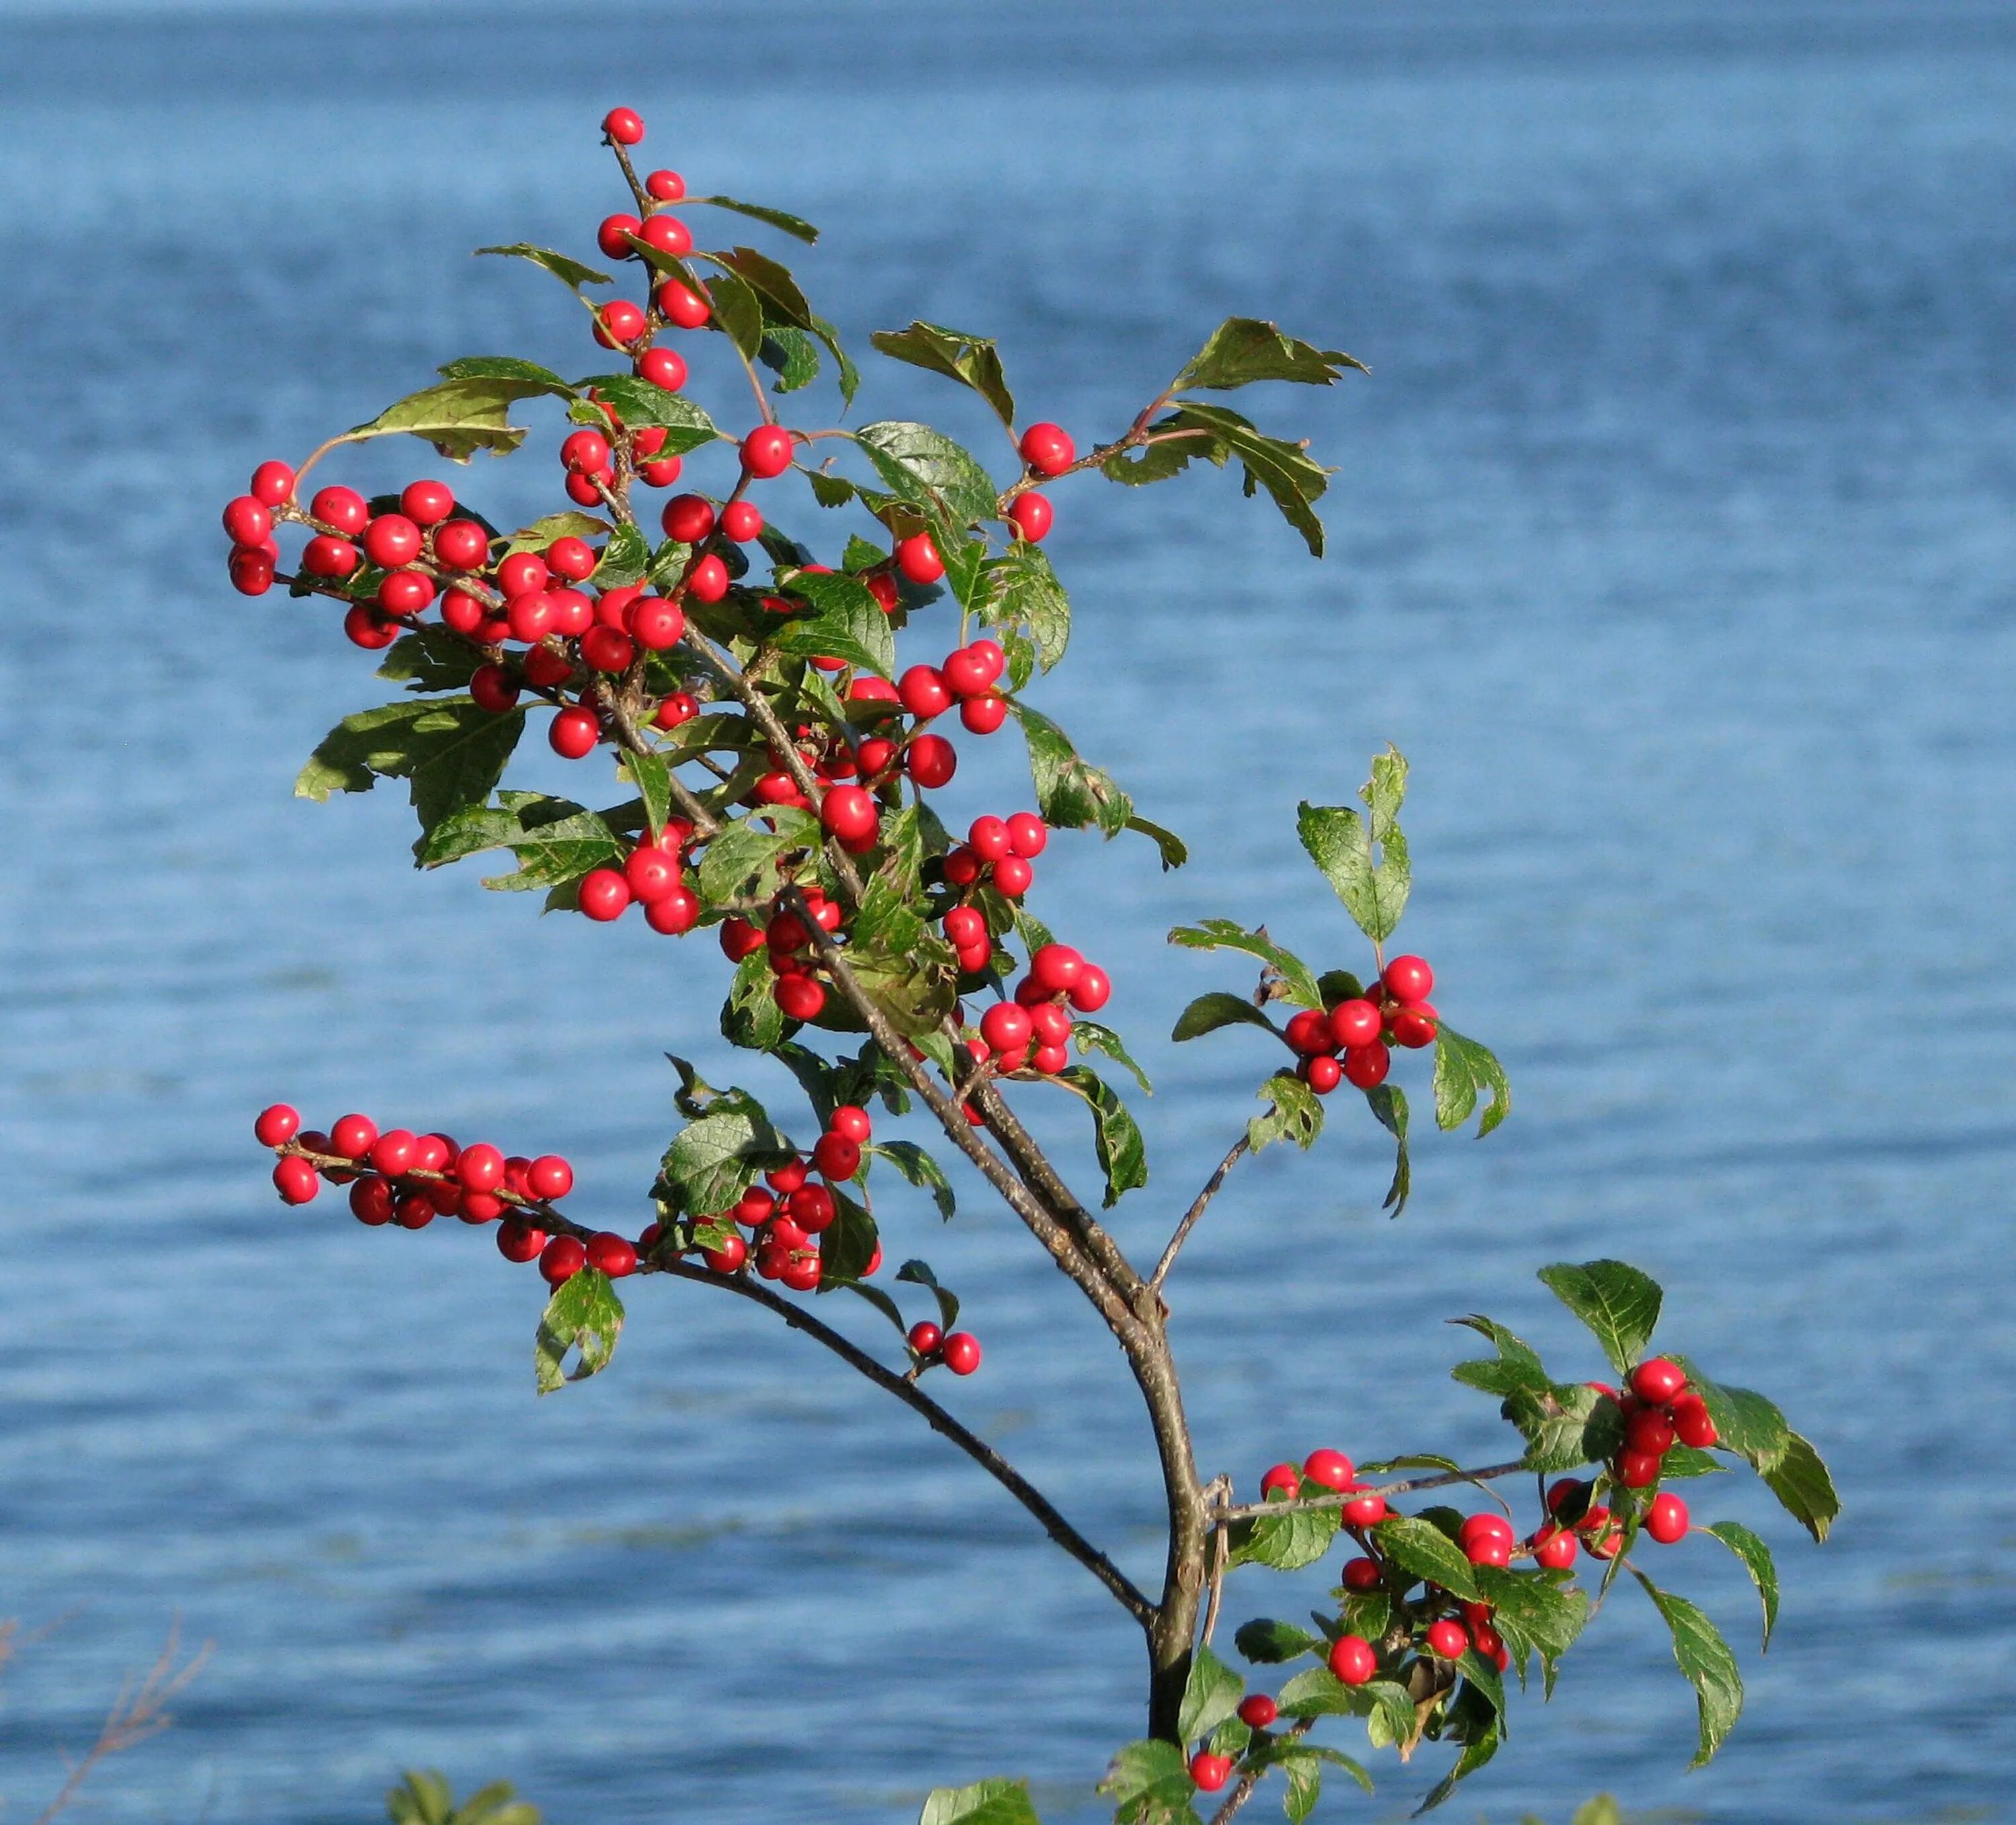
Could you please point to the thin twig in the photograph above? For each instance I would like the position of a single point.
(1249, 1511)
(1197, 1210)
(1253, 1776)
(134, 1716)
(1218, 1491)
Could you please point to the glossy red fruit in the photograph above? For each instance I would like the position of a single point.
(1408, 979)
(961, 1350)
(549, 1177)
(1356, 1022)
(604, 649)
(246, 520)
(571, 558)
(1414, 1026)
(1352, 1657)
(325, 556)
(1032, 515)
(766, 452)
(684, 306)
(1367, 1065)
(1056, 968)
(742, 521)
(520, 1241)
(1691, 1424)
(250, 571)
(965, 925)
(681, 706)
(836, 1157)
(728, 1258)
(665, 186)
(461, 544)
(277, 1126)
(1637, 1470)
(652, 871)
(1668, 1520)
(623, 126)
(848, 813)
(1648, 1430)
(1092, 990)
(688, 518)
(677, 912)
(1309, 1033)
(1322, 1075)
(271, 484)
(342, 509)
(1027, 833)
(918, 559)
(925, 1338)
(392, 540)
(353, 1136)
(1330, 1469)
(1257, 1711)
(930, 760)
(984, 714)
(658, 624)
(1012, 876)
(1006, 1028)
(295, 1180)
(1554, 1548)
(392, 1152)
(372, 1202)
(707, 581)
(494, 689)
(1449, 1640)
(1210, 1772)
(739, 939)
(1658, 1379)
(1047, 448)
(1475, 1526)
(973, 669)
(366, 627)
(1366, 1510)
(615, 1255)
(405, 592)
(603, 893)
(1361, 1574)
(612, 234)
(802, 998)
(1489, 1550)
(853, 1122)
(801, 1271)
(479, 1168)
(574, 733)
(923, 692)
(617, 323)
(667, 234)
(1283, 1479)
(561, 1259)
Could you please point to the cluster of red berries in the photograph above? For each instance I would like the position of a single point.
(1660, 1411)
(652, 875)
(796, 986)
(998, 853)
(786, 1213)
(1353, 1042)
(398, 1177)
(1032, 1029)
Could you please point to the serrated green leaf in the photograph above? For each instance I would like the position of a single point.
(1388, 1104)
(458, 417)
(1746, 1422)
(848, 623)
(1089, 1036)
(1517, 1366)
(916, 990)
(1532, 1608)
(1287, 1541)
(1149, 1783)
(570, 273)
(772, 282)
(927, 467)
(1463, 1069)
(920, 1170)
(652, 774)
(451, 753)
(987, 1802)
(505, 367)
(739, 312)
(640, 404)
(973, 361)
(751, 1017)
(1364, 858)
(625, 559)
(848, 1244)
(850, 375)
(1243, 350)
(1757, 1560)
(791, 355)
(432, 658)
(1210, 1697)
(1420, 1547)
(712, 1161)
(1619, 1305)
(791, 224)
(1071, 793)
(1294, 1113)
(1020, 589)
(918, 1273)
(1704, 1658)
(1801, 1482)
(737, 854)
(1269, 1642)
(556, 853)
(542, 532)
(583, 1314)
(1222, 935)
(1220, 1008)
(1123, 1156)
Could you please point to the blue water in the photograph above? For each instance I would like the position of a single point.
(1672, 539)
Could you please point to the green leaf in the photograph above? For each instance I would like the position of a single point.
(918, 1273)
(772, 283)
(1173, 851)
(919, 1169)
(432, 658)
(425, 1799)
(1071, 793)
(847, 1243)
(1388, 1103)
(653, 774)
(458, 417)
(1089, 1036)
(803, 230)
(1243, 349)
(1319, 1692)
(570, 273)
(1150, 1782)
(1123, 1156)
(638, 403)
(712, 1161)
(739, 312)
(477, 827)
(506, 367)
(927, 467)
(1475, 1754)
(1271, 1643)
(1619, 1305)
(1704, 1658)
(453, 753)
(625, 559)
(1020, 589)
(1287, 1541)
(1292, 479)
(916, 990)
(1602, 1810)
(751, 1017)
(973, 361)
(848, 623)
(583, 1314)
(737, 854)
(850, 375)
(1532, 1608)
(1284, 968)
(1220, 1008)
(1463, 1069)
(1364, 859)
(1294, 1113)
(1800, 1481)
(987, 1802)
(553, 854)
(792, 355)
(1745, 1422)
(1757, 1560)
(542, 532)
(1211, 1696)
(1516, 1368)
(1420, 1547)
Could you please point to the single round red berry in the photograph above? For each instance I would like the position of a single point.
(604, 893)
(1449, 1640)
(1361, 1574)
(1489, 1551)
(271, 484)
(1668, 1520)
(766, 452)
(1366, 1510)
(652, 871)
(1692, 1426)
(802, 997)
(615, 1255)
(392, 540)
(1331, 1469)
(342, 509)
(366, 627)
(811, 1208)
(586, 453)
(1356, 1022)
(392, 1152)
(524, 572)
(1485, 1527)
(1366, 1066)
(327, 555)
(931, 761)
(1309, 1033)
(605, 650)
(574, 733)
(1006, 1028)
(353, 1136)
(1056, 968)
(1408, 979)
(246, 520)
(479, 1168)
(1092, 990)
(623, 126)
(918, 559)
(494, 689)
(683, 305)
(295, 1180)
(961, 1350)
(836, 1157)
(373, 1201)
(665, 186)
(1322, 1074)
(1283, 1479)
(1637, 1470)
(277, 1126)
(801, 1272)
(1352, 1659)
(742, 521)
(561, 1259)
(707, 581)
(427, 503)
(965, 925)
(657, 624)
(1648, 1430)
(663, 367)
(667, 234)
(848, 813)
(1027, 833)
(1414, 1026)
(925, 1338)
(1032, 515)
(1047, 448)
(405, 593)
(1013, 876)
(853, 1122)
(973, 669)
(677, 912)
(1210, 1772)
(1554, 1547)
(251, 571)
(1658, 1379)
(923, 692)
(518, 1240)
(1257, 1711)
(550, 1177)
(618, 323)
(728, 1258)
(461, 544)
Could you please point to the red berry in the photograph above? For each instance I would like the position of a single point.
(1361, 1574)
(251, 572)
(1257, 1711)
(604, 893)
(688, 518)
(982, 716)
(461, 544)
(1414, 1026)
(574, 733)
(342, 509)
(766, 452)
(1012, 876)
(271, 484)
(848, 813)
(681, 706)
(1284, 1477)
(561, 1259)
(965, 925)
(1554, 1548)
(652, 872)
(1309, 1033)
(518, 1240)
(613, 236)
(524, 572)
(1032, 515)
(685, 307)
(851, 1120)
(918, 559)
(961, 1350)
(586, 453)
(1691, 1423)
(922, 691)
(623, 126)
(1367, 1065)
(1485, 1527)
(1408, 979)
(615, 1255)
(1027, 833)
(479, 1168)
(801, 997)
(277, 1126)
(366, 627)
(404, 592)
(392, 540)
(973, 669)
(1322, 1075)
(549, 1177)
(801, 1272)
(1047, 448)
(665, 186)
(1668, 1520)
(1637, 1470)
(707, 581)
(836, 1157)
(1056, 968)
(742, 521)
(925, 1338)
(571, 558)
(1488, 1550)
(295, 1180)
(1331, 1469)
(494, 689)
(1365, 1511)
(427, 503)
(1658, 1379)
(1449, 1640)
(353, 1136)
(1649, 1431)
(1210, 1772)
(246, 520)
(1355, 1022)
(739, 939)
(667, 234)
(604, 649)
(1006, 1028)
(373, 1201)
(392, 1152)
(1352, 1657)
(677, 912)
(930, 760)
(728, 1258)
(325, 556)
(657, 624)
(618, 323)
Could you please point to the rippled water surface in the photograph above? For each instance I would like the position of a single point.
(1672, 538)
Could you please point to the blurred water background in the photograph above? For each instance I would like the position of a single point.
(1671, 539)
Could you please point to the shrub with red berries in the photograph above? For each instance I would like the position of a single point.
(776, 771)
